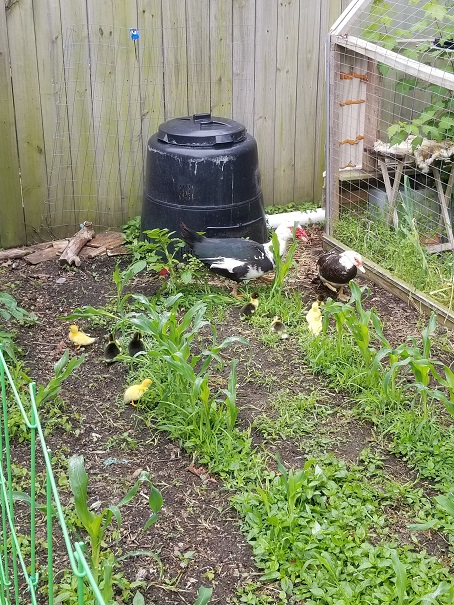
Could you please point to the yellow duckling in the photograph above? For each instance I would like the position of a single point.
(135, 391)
(79, 338)
(314, 318)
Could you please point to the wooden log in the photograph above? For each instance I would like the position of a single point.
(75, 245)
(13, 253)
(108, 239)
(117, 251)
(87, 252)
(40, 256)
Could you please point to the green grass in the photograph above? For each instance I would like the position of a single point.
(323, 533)
(294, 415)
(400, 254)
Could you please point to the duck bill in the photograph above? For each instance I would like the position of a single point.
(361, 268)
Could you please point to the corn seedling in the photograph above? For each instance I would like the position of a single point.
(97, 525)
(417, 360)
(192, 412)
(359, 324)
(448, 383)
(230, 393)
(121, 278)
(339, 311)
(282, 265)
(116, 318)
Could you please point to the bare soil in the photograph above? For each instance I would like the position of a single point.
(197, 537)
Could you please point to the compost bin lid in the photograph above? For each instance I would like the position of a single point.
(201, 130)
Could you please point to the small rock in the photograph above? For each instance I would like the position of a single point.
(141, 574)
(136, 473)
(60, 280)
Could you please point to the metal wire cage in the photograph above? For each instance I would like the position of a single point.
(390, 147)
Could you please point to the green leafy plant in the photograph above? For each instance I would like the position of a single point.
(204, 595)
(62, 370)
(9, 309)
(230, 392)
(339, 312)
(436, 121)
(115, 315)
(356, 320)
(417, 360)
(192, 410)
(282, 264)
(132, 230)
(97, 525)
(121, 278)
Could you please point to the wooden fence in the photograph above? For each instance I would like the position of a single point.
(79, 99)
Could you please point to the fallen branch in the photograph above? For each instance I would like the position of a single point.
(75, 245)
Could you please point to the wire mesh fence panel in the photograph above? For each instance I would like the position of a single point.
(117, 86)
(390, 150)
(32, 520)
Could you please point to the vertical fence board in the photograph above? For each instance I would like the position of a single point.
(286, 79)
(243, 62)
(306, 133)
(152, 71)
(58, 212)
(175, 59)
(221, 57)
(198, 46)
(329, 11)
(265, 99)
(76, 58)
(27, 105)
(12, 228)
(127, 78)
(103, 53)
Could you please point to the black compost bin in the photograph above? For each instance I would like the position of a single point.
(203, 171)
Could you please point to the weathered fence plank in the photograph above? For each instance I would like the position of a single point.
(27, 105)
(103, 53)
(286, 84)
(243, 62)
(58, 213)
(175, 59)
(265, 100)
(198, 46)
(127, 78)
(306, 102)
(12, 227)
(76, 59)
(152, 72)
(221, 57)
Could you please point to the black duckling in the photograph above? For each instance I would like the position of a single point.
(112, 350)
(136, 344)
(250, 308)
(278, 327)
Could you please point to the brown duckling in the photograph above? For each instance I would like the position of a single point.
(250, 308)
(111, 350)
(136, 344)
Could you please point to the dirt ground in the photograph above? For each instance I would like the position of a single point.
(197, 536)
